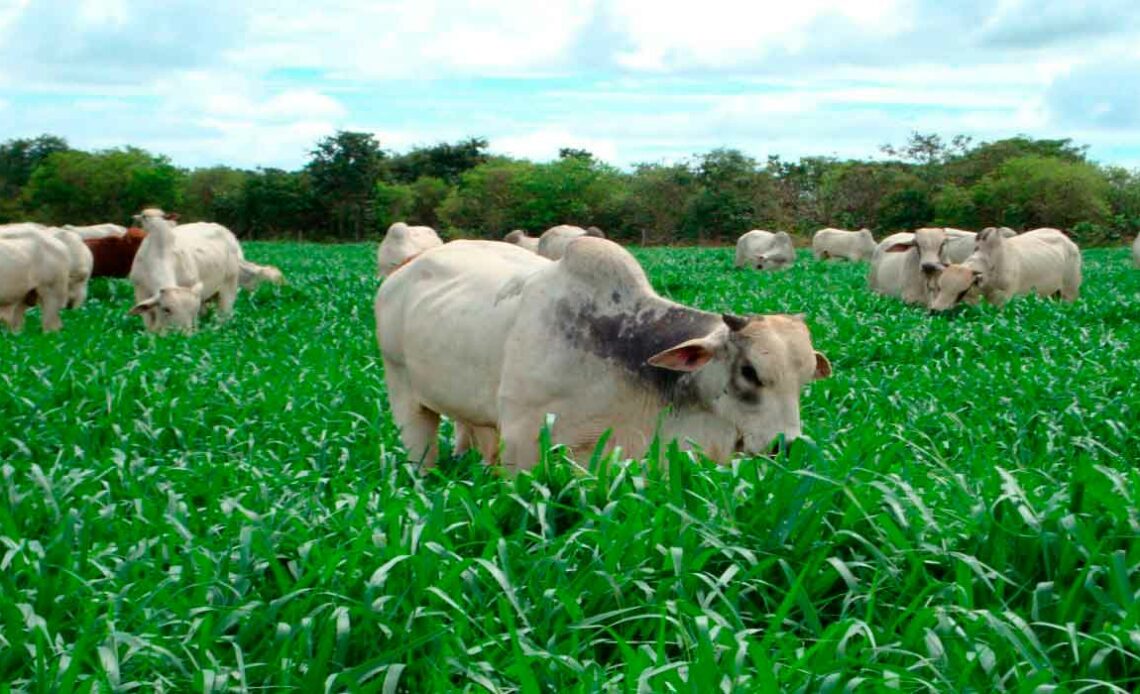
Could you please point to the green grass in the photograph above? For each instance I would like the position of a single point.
(229, 510)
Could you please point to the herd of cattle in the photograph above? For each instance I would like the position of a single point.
(564, 329)
(500, 337)
(175, 275)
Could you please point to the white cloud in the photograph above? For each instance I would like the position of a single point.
(719, 33)
(543, 144)
(258, 82)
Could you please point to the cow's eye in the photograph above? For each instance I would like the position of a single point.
(750, 375)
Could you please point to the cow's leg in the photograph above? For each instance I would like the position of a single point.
(227, 296)
(520, 440)
(486, 439)
(51, 302)
(419, 426)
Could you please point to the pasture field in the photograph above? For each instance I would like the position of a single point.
(229, 510)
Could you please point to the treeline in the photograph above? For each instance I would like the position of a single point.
(352, 189)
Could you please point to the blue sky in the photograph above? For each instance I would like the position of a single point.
(256, 83)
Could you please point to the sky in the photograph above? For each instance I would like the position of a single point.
(257, 82)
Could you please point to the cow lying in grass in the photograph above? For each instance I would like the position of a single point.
(1042, 261)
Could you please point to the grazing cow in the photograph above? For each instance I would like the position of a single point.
(401, 243)
(251, 275)
(553, 242)
(34, 270)
(764, 250)
(522, 240)
(98, 231)
(842, 244)
(80, 264)
(496, 338)
(907, 265)
(1042, 261)
(114, 255)
(175, 273)
(79, 257)
(1136, 252)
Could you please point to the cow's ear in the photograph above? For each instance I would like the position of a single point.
(900, 247)
(822, 366)
(144, 306)
(734, 323)
(690, 355)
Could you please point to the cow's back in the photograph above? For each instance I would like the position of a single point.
(210, 254)
(442, 321)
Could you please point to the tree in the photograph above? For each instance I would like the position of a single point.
(276, 203)
(344, 170)
(566, 191)
(489, 199)
(971, 166)
(443, 161)
(1036, 191)
(574, 153)
(732, 197)
(18, 159)
(657, 200)
(74, 187)
(928, 149)
(214, 194)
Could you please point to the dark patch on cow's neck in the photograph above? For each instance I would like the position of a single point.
(633, 335)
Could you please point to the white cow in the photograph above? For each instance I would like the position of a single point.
(98, 231)
(496, 337)
(1042, 261)
(250, 275)
(554, 241)
(33, 270)
(765, 250)
(401, 243)
(522, 240)
(80, 264)
(178, 269)
(843, 244)
(1136, 252)
(907, 265)
(80, 260)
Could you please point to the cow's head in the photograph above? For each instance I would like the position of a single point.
(931, 244)
(956, 283)
(152, 218)
(749, 373)
(171, 308)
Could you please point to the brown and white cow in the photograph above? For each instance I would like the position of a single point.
(496, 338)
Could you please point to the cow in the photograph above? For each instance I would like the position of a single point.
(520, 238)
(843, 245)
(907, 265)
(496, 338)
(1042, 261)
(34, 269)
(175, 273)
(401, 243)
(98, 231)
(1136, 252)
(765, 250)
(81, 262)
(113, 255)
(553, 242)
